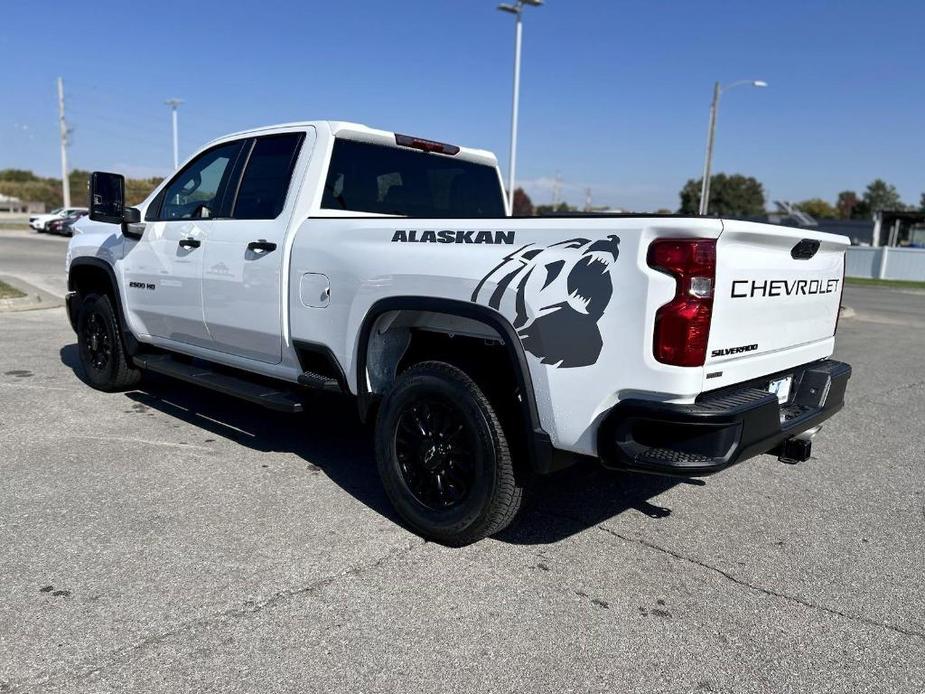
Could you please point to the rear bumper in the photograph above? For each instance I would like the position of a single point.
(721, 428)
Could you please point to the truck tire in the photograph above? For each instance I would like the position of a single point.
(99, 343)
(443, 456)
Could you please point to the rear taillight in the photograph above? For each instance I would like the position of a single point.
(682, 326)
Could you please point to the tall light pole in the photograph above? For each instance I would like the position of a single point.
(711, 133)
(173, 103)
(516, 9)
(65, 132)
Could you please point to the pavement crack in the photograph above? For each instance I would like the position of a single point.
(249, 608)
(761, 589)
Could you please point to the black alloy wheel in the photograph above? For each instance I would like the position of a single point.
(444, 458)
(436, 447)
(98, 342)
(105, 362)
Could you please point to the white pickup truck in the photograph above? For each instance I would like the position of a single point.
(485, 348)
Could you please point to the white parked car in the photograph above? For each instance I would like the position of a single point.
(486, 349)
(40, 222)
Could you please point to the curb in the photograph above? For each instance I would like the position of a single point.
(35, 298)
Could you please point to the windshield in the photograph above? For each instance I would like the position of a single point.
(364, 177)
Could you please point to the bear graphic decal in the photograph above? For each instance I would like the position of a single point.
(569, 292)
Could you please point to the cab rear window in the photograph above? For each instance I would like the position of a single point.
(365, 177)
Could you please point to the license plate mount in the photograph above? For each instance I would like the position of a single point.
(781, 388)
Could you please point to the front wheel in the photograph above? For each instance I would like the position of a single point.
(99, 344)
(443, 456)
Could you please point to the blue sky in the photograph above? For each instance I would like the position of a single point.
(615, 93)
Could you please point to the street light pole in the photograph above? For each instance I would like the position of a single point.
(711, 136)
(518, 34)
(708, 159)
(173, 103)
(65, 132)
(517, 10)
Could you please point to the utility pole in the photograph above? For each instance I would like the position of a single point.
(556, 190)
(65, 133)
(173, 103)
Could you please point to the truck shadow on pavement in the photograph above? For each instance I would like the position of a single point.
(329, 437)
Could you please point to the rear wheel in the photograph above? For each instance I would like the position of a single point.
(99, 344)
(443, 456)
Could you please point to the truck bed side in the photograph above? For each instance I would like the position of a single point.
(578, 291)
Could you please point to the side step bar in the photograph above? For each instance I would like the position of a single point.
(310, 379)
(277, 399)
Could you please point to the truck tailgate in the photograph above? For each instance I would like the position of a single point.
(776, 300)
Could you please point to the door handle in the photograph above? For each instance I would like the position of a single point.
(261, 246)
(190, 243)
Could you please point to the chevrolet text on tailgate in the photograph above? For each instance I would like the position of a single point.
(485, 348)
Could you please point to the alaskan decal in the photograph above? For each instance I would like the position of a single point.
(746, 289)
(568, 284)
(452, 236)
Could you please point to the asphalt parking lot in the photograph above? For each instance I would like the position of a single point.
(172, 540)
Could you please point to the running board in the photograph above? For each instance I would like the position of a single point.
(310, 379)
(267, 396)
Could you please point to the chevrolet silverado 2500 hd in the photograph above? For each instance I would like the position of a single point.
(485, 348)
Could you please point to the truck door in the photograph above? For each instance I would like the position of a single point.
(243, 259)
(163, 270)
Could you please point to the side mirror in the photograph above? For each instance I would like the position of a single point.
(107, 203)
(107, 197)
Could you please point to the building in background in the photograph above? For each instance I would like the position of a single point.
(11, 205)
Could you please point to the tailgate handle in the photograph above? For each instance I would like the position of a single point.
(804, 250)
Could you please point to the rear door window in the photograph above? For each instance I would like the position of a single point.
(262, 193)
(365, 177)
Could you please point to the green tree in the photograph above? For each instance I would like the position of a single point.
(549, 210)
(523, 205)
(818, 208)
(730, 196)
(922, 203)
(845, 203)
(137, 189)
(880, 195)
(17, 176)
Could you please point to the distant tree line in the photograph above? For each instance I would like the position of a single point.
(741, 196)
(28, 187)
(523, 206)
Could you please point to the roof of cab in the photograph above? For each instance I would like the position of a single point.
(356, 131)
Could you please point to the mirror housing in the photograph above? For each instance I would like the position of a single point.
(107, 203)
(107, 197)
